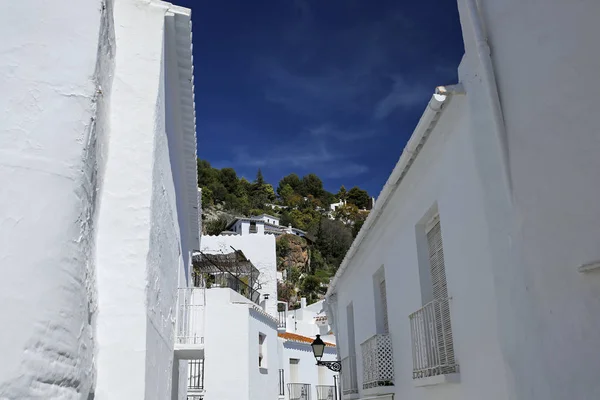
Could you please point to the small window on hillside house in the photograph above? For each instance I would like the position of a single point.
(253, 227)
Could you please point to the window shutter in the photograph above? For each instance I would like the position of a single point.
(383, 292)
(440, 296)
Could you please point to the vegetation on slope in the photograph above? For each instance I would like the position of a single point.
(302, 202)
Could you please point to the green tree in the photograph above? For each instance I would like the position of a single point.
(293, 181)
(285, 193)
(207, 175)
(333, 241)
(360, 198)
(216, 226)
(229, 179)
(312, 185)
(348, 213)
(342, 194)
(259, 181)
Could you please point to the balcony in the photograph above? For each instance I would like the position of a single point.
(432, 344)
(299, 391)
(378, 362)
(189, 333)
(231, 270)
(325, 392)
(349, 376)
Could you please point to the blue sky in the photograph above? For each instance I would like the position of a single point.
(333, 87)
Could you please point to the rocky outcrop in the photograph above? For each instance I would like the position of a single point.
(292, 251)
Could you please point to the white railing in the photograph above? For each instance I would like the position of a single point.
(325, 392)
(378, 362)
(349, 375)
(299, 391)
(190, 316)
(432, 344)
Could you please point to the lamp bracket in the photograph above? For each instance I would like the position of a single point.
(334, 366)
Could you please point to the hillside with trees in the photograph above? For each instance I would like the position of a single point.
(303, 202)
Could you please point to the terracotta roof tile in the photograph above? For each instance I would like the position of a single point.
(294, 337)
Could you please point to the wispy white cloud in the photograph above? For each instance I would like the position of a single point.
(402, 95)
(328, 130)
(300, 157)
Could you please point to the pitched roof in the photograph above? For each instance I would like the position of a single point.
(294, 337)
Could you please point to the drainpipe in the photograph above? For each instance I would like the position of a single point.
(491, 87)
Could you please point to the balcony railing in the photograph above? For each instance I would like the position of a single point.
(299, 391)
(378, 362)
(349, 376)
(190, 316)
(196, 374)
(281, 319)
(325, 392)
(432, 344)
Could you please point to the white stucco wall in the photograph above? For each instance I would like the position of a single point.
(52, 132)
(260, 250)
(87, 128)
(302, 322)
(521, 311)
(442, 176)
(546, 61)
(232, 346)
(308, 371)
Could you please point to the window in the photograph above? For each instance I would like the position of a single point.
(431, 329)
(253, 227)
(281, 383)
(196, 374)
(294, 370)
(262, 350)
(380, 294)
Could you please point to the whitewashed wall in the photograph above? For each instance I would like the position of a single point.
(232, 346)
(139, 249)
(546, 60)
(442, 176)
(308, 371)
(524, 319)
(260, 250)
(52, 131)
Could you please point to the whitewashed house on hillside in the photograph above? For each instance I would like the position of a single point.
(260, 225)
(477, 274)
(99, 207)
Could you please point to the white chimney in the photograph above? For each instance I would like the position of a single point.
(303, 303)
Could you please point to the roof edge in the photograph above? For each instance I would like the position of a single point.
(412, 149)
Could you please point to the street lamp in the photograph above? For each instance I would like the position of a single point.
(318, 347)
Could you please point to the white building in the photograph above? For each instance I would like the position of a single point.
(99, 211)
(228, 336)
(301, 378)
(476, 275)
(234, 337)
(260, 225)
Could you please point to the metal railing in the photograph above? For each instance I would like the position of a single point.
(325, 392)
(281, 319)
(281, 383)
(299, 391)
(349, 375)
(378, 361)
(432, 344)
(190, 316)
(196, 374)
